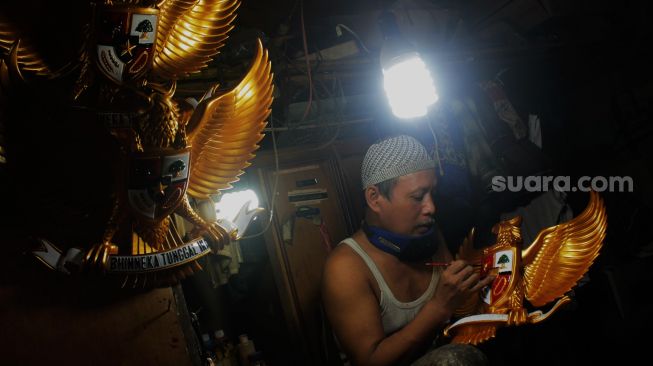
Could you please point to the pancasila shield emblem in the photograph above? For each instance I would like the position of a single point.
(125, 42)
(157, 183)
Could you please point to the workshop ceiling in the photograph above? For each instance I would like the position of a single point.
(462, 39)
(471, 39)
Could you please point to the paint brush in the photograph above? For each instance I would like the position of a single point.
(491, 271)
(437, 264)
(446, 264)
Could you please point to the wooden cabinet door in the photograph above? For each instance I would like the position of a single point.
(308, 221)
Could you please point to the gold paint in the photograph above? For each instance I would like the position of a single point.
(27, 58)
(224, 120)
(223, 131)
(128, 49)
(558, 257)
(190, 35)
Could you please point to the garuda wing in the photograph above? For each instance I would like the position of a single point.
(190, 34)
(23, 56)
(560, 255)
(228, 128)
(471, 305)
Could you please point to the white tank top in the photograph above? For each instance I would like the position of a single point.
(394, 313)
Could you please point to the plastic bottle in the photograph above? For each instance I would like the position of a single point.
(256, 359)
(207, 343)
(208, 349)
(231, 353)
(219, 345)
(225, 351)
(245, 349)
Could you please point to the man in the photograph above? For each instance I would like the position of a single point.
(384, 303)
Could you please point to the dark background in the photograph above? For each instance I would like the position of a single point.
(583, 67)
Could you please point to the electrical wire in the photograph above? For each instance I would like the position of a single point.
(272, 198)
(308, 63)
(355, 36)
(437, 152)
(338, 114)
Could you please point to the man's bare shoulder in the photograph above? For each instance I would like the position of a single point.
(347, 282)
(344, 263)
(343, 258)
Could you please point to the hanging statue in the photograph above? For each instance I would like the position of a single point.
(543, 272)
(105, 155)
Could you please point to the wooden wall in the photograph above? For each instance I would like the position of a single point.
(49, 318)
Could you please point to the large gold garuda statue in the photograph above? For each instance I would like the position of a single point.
(542, 274)
(99, 152)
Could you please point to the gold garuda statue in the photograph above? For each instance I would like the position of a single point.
(542, 273)
(101, 155)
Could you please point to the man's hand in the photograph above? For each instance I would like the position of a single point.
(459, 281)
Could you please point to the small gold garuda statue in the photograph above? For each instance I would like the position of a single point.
(543, 272)
(99, 152)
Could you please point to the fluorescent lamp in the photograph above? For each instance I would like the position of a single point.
(406, 79)
(230, 203)
(409, 86)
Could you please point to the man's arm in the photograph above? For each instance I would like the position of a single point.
(353, 310)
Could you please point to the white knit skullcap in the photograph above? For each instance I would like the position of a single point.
(392, 158)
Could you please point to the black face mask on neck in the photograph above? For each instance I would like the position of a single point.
(405, 248)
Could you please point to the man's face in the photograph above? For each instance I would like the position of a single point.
(410, 208)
